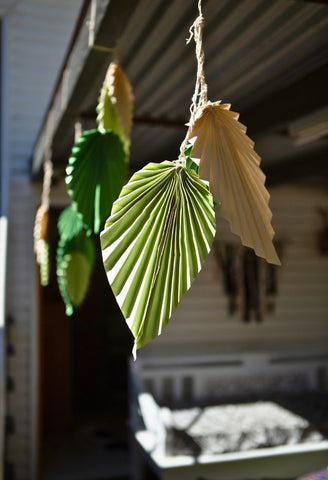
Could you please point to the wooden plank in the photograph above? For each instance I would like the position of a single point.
(82, 75)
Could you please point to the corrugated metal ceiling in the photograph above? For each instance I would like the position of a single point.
(268, 58)
(252, 49)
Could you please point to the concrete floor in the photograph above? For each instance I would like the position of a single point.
(96, 449)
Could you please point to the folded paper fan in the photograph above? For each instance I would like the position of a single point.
(227, 159)
(96, 172)
(115, 105)
(154, 244)
(75, 263)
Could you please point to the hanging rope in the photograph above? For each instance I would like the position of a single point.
(199, 97)
(47, 177)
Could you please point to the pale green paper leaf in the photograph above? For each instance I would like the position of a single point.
(76, 272)
(154, 244)
(73, 290)
(115, 104)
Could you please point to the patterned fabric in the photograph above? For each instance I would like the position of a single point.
(322, 475)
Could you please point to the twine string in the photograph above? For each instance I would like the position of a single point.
(47, 177)
(199, 97)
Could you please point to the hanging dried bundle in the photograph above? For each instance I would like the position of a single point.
(41, 246)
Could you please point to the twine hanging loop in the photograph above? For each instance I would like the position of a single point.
(199, 98)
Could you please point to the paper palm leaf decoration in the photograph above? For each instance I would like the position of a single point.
(70, 224)
(75, 263)
(154, 244)
(96, 173)
(228, 161)
(115, 104)
(189, 162)
(41, 245)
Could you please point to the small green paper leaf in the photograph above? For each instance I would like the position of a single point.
(76, 272)
(155, 242)
(189, 162)
(71, 268)
(70, 224)
(108, 118)
(96, 172)
(115, 104)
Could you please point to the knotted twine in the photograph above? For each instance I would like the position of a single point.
(199, 98)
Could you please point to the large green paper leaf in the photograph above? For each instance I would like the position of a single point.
(75, 262)
(96, 172)
(154, 244)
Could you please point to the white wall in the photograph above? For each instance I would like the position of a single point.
(201, 322)
(37, 35)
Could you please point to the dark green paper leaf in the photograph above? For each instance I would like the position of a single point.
(96, 173)
(154, 244)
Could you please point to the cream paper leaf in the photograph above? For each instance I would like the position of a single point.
(226, 158)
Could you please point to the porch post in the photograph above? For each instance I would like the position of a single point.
(4, 190)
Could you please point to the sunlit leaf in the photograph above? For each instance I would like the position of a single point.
(189, 162)
(227, 159)
(154, 244)
(96, 173)
(115, 104)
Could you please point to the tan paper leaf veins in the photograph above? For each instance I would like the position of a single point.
(228, 161)
(121, 95)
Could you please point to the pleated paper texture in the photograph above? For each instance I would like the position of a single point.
(75, 263)
(115, 105)
(154, 244)
(227, 159)
(96, 172)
